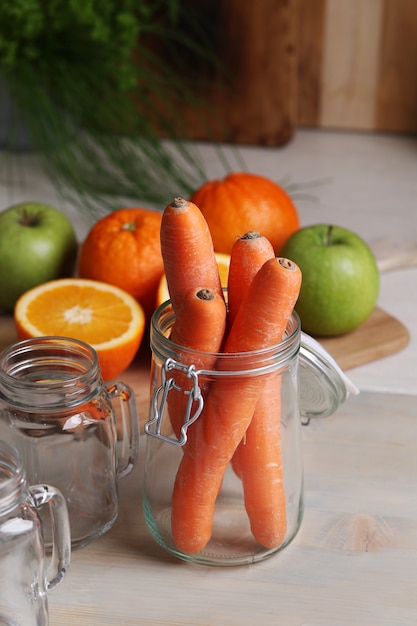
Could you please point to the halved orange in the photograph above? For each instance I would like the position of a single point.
(223, 263)
(102, 315)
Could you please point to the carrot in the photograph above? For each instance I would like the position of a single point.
(259, 457)
(249, 253)
(202, 322)
(187, 251)
(201, 327)
(230, 403)
(260, 466)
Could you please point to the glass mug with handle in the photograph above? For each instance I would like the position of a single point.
(25, 578)
(74, 431)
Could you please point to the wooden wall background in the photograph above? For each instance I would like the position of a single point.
(339, 64)
(357, 64)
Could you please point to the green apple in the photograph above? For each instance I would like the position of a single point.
(37, 244)
(340, 283)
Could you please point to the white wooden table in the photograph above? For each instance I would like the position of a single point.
(354, 560)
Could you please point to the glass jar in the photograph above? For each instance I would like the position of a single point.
(25, 579)
(74, 431)
(217, 495)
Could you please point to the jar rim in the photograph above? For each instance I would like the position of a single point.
(322, 388)
(19, 363)
(273, 356)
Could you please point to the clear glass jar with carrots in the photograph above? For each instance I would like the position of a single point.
(223, 471)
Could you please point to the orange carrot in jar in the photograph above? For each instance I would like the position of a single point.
(230, 404)
(258, 461)
(260, 451)
(187, 251)
(200, 327)
(249, 253)
(201, 324)
(260, 466)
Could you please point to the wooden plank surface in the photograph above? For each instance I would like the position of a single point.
(379, 336)
(252, 97)
(357, 63)
(350, 63)
(337, 64)
(353, 562)
(396, 98)
(310, 50)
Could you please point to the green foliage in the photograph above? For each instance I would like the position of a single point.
(100, 33)
(91, 85)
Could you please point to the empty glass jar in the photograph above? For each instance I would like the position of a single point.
(25, 577)
(74, 431)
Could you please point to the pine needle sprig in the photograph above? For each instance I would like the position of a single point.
(97, 83)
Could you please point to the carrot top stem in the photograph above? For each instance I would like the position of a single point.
(187, 252)
(249, 253)
(205, 294)
(287, 264)
(251, 234)
(178, 202)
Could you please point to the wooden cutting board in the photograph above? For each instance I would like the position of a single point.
(379, 336)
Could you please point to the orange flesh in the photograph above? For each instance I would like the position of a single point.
(95, 320)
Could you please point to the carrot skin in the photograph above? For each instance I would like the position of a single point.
(259, 459)
(187, 251)
(190, 262)
(261, 468)
(230, 405)
(249, 253)
(206, 456)
(199, 327)
(202, 323)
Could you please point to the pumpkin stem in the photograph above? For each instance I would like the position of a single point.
(129, 226)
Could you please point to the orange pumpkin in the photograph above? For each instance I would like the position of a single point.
(242, 202)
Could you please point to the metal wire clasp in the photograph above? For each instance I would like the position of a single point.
(159, 400)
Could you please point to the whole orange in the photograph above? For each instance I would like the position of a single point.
(123, 249)
(242, 202)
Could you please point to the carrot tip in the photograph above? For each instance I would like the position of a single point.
(205, 294)
(287, 264)
(178, 203)
(251, 234)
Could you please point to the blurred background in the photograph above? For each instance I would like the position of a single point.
(336, 64)
(95, 87)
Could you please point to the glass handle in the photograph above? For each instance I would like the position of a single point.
(130, 426)
(61, 546)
